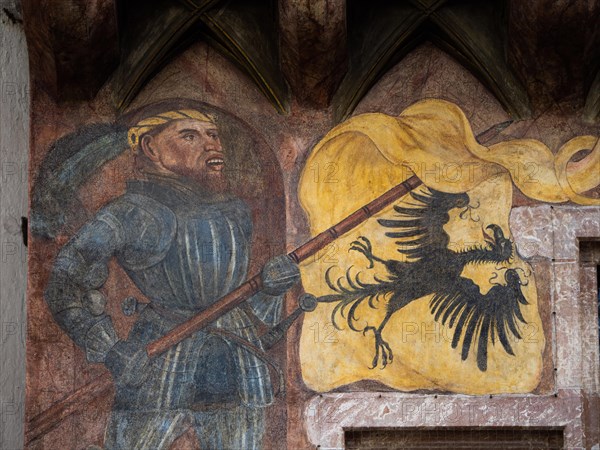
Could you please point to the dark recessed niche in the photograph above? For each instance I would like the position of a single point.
(455, 438)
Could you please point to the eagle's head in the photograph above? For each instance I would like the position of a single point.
(499, 245)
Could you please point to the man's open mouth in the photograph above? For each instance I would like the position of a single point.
(215, 163)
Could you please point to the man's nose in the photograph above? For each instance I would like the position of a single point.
(212, 145)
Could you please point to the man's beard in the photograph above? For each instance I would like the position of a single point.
(212, 182)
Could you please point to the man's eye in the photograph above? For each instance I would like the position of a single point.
(189, 137)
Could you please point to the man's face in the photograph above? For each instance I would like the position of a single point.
(189, 148)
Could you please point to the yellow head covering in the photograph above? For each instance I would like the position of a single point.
(147, 124)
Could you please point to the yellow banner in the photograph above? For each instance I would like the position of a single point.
(446, 251)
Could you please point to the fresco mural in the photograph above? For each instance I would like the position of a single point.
(432, 291)
(266, 224)
(412, 274)
(184, 239)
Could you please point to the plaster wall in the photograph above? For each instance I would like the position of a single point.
(543, 232)
(14, 149)
(548, 236)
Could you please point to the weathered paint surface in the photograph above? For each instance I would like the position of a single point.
(430, 255)
(547, 237)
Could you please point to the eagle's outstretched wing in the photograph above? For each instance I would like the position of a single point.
(420, 225)
(481, 317)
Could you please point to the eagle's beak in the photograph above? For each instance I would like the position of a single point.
(488, 238)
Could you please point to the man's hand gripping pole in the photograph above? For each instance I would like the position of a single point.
(50, 418)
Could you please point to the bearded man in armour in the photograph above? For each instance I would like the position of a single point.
(184, 241)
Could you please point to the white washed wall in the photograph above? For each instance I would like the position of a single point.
(14, 151)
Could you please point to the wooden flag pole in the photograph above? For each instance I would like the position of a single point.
(254, 284)
(50, 418)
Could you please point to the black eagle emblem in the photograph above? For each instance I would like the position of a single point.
(430, 267)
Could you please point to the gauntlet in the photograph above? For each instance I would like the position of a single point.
(279, 275)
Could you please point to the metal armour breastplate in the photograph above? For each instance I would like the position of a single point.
(208, 256)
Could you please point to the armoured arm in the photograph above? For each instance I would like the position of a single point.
(279, 275)
(267, 307)
(73, 295)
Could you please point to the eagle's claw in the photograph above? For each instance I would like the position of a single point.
(380, 346)
(363, 245)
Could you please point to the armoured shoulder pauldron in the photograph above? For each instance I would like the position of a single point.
(147, 228)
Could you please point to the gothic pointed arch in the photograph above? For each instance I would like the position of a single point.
(384, 32)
